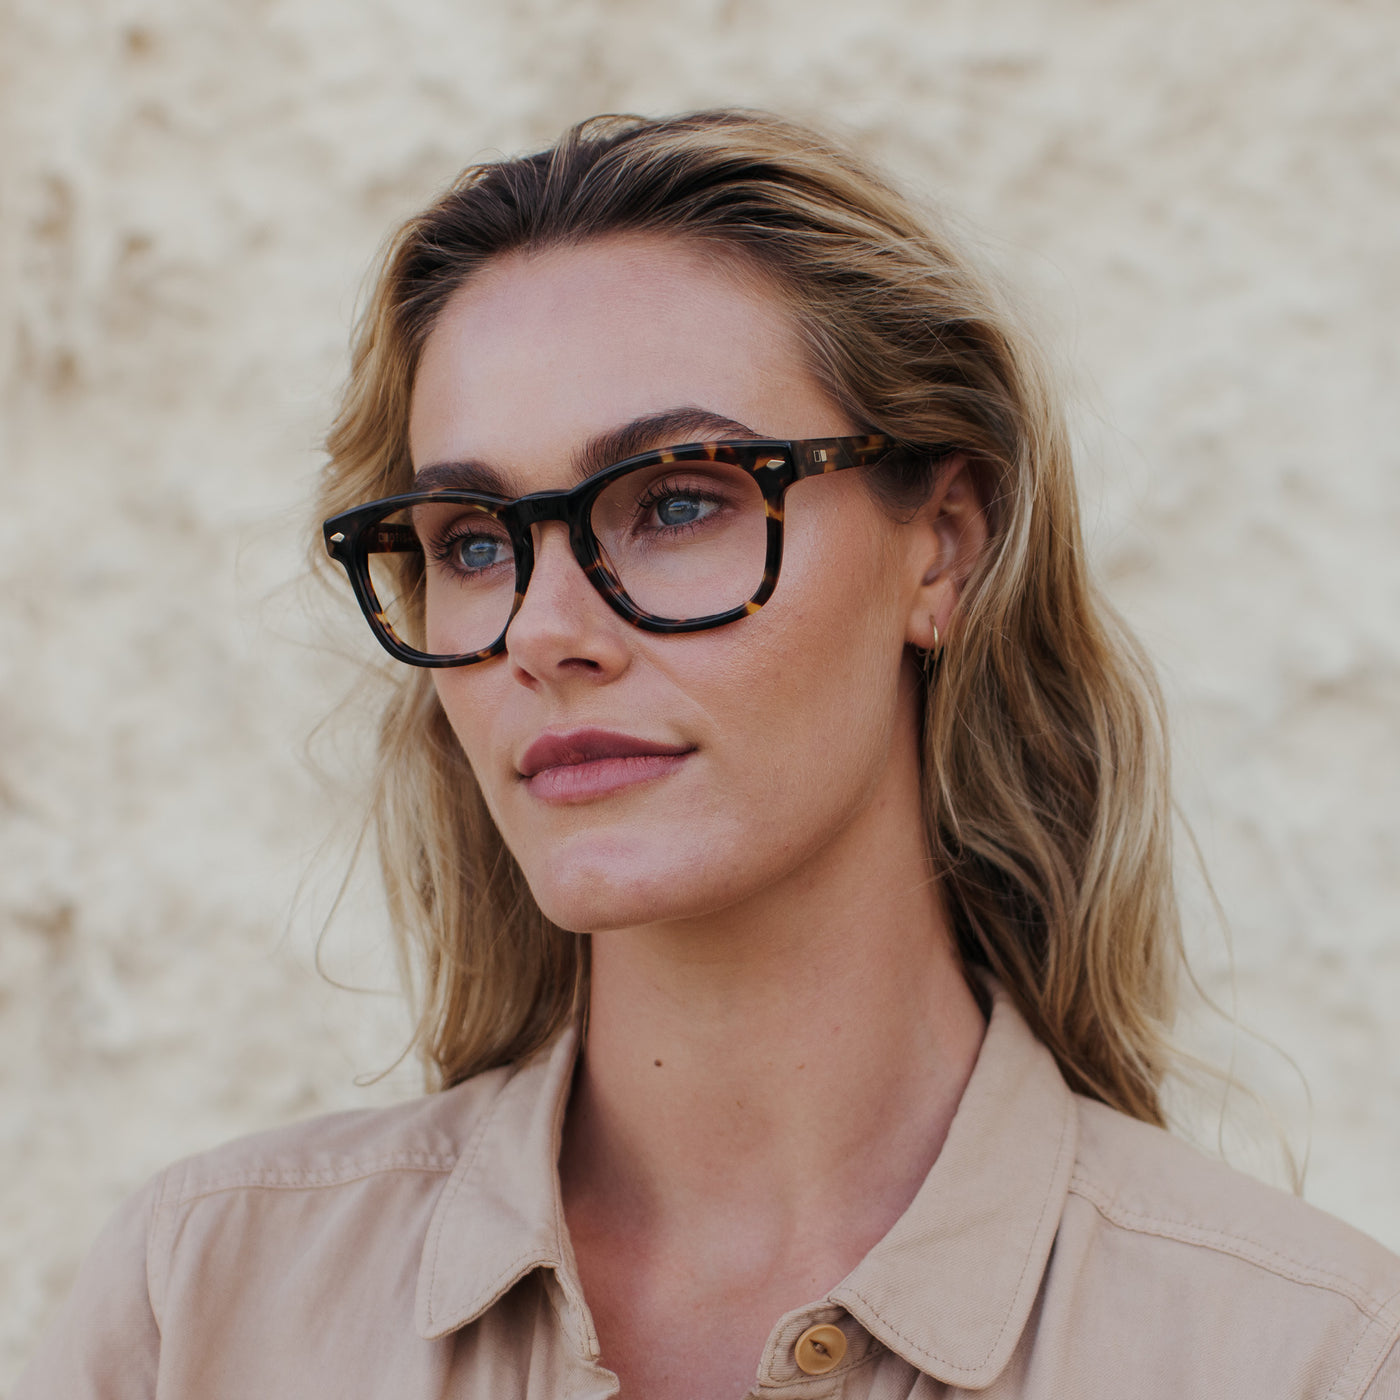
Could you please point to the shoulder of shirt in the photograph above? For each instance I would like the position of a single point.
(1141, 1179)
(426, 1135)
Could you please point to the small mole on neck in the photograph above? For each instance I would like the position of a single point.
(657, 1063)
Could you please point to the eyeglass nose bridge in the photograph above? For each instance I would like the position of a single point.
(544, 506)
(571, 509)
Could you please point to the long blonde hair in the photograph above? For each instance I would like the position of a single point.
(1045, 772)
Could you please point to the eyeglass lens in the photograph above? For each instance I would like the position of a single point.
(684, 540)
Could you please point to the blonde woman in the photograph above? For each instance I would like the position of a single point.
(775, 824)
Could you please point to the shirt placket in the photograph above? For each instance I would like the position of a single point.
(812, 1353)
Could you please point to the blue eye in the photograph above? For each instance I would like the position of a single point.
(672, 511)
(475, 553)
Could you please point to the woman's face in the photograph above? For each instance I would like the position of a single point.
(770, 738)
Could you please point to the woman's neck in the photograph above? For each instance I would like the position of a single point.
(796, 1058)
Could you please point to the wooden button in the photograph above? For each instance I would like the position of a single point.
(820, 1349)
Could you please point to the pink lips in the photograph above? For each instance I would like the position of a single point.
(588, 763)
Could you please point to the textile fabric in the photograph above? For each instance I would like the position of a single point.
(1056, 1249)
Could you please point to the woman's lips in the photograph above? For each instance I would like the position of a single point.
(588, 763)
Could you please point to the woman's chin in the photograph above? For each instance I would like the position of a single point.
(598, 896)
(600, 906)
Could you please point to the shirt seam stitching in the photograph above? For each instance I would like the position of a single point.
(1067, 1119)
(1394, 1330)
(454, 1186)
(160, 1243)
(520, 1268)
(1240, 1247)
(294, 1179)
(838, 1372)
(1333, 1391)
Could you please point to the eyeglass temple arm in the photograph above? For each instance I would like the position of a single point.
(378, 539)
(817, 456)
(385, 539)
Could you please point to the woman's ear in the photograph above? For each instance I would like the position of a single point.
(947, 537)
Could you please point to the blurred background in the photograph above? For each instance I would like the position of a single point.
(1198, 204)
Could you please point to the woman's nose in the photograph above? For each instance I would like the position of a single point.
(564, 629)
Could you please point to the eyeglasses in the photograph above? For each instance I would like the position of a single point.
(676, 540)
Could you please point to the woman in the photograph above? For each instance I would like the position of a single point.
(776, 825)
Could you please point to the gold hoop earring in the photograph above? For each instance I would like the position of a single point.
(935, 648)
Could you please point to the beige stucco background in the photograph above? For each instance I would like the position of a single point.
(1199, 201)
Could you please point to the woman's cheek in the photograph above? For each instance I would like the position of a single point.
(469, 702)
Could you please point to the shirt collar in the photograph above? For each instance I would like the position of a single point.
(951, 1285)
(949, 1288)
(500, 1215)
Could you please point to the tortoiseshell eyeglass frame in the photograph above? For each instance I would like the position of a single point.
(775, 464)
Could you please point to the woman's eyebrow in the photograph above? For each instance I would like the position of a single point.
(467, 475)
(670, 428)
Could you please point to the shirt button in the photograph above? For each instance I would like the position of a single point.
(820, 1349)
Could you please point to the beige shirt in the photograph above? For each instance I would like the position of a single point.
(1057, 1250)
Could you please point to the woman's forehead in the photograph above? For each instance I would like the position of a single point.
(541, 351)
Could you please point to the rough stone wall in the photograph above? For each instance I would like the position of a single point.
(1201, 200)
